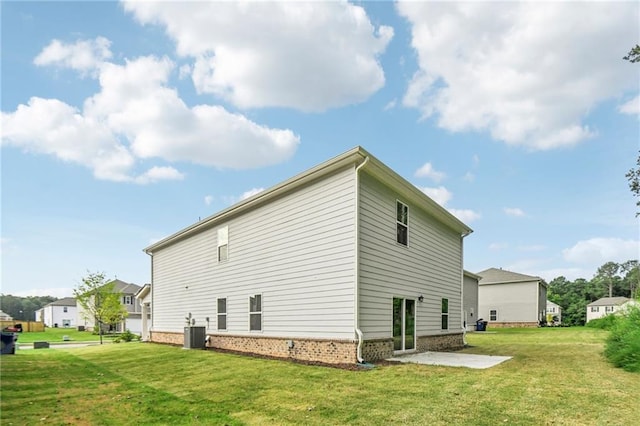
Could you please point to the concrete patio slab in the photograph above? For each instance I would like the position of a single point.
(452, 359)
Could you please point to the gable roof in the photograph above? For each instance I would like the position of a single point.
(65, 301)
(609, 301)
(502, 276)
(550, 303)
(355, 157)
(120, 286)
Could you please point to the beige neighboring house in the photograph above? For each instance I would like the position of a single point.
(470, 300)
(511, 299)
(59, 313)
(554, 313)
(608, 305)
(133, 321)
(346, 262)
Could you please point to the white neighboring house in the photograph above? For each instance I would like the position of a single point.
(608, 305)
(5, 317)
(554, 313)
(342, 263)
(60, 313)
(143, 296)
(133, 321)
(470, 300)
(511, 299)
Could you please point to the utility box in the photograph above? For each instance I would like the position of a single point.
(194, 337)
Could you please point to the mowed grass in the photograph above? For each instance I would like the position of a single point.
(557, 376)
(55, 335)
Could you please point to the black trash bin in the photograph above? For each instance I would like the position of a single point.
(8, 343)
(481, 325)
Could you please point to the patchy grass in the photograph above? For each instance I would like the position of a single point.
(55, 335)
(557, 376)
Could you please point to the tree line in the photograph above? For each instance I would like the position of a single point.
(611, 280)
(23, 308)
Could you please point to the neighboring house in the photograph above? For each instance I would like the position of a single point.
(510, 299)
(133, 321)
(607, 305)
(5, 317)
(143, 296)
(343, 263)
(554, 313)
(60, 313)
(470, 300)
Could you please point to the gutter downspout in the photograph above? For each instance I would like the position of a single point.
(464, 328)
(356, 290)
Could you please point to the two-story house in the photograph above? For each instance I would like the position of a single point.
(606, 306)
(133, 320)
(60, 313)
(342, 263)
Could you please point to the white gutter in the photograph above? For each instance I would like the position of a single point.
(356, 289)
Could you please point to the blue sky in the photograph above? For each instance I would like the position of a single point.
(125, 122)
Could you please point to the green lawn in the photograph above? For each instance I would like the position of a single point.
(55, 335)
(557, 376)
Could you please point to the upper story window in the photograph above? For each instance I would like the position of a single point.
(255, 312)
(127, 300)
(223, 244)
(222, 314)
(402, 223)
(64, 309)
(608, 309)
(594, 309)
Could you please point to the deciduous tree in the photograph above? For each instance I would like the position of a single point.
(99, 301)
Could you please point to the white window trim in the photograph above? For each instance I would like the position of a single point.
(222, 240)
(226, 314)
(403, 224)
(261, 312)
(496, 316)
(444, 313)
(127, 300)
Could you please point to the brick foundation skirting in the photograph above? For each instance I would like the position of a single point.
(328, 351)
(374, 350)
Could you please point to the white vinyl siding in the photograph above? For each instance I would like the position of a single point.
(430, 266)
(515, 302)
(299, 247)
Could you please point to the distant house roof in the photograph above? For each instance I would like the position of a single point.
(609, 301)
(65, 301)
(550, 303)
(499, 276)
(472, 275)
(5, 317)
(124, 287)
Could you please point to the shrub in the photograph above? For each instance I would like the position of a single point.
(605, 323)
(623, 344)
(127, 336)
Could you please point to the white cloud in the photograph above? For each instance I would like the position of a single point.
(465, 215)
(136, 115)
(83, 55)
(517, 69)
(498, 246)
(208, 199)
(309, 56)
(598, 251)
(156, 174)
(427, 170)
(469, 177)
(632, 107)
(390, 105)
(514, 211)
(440, 195)
(251, 193)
